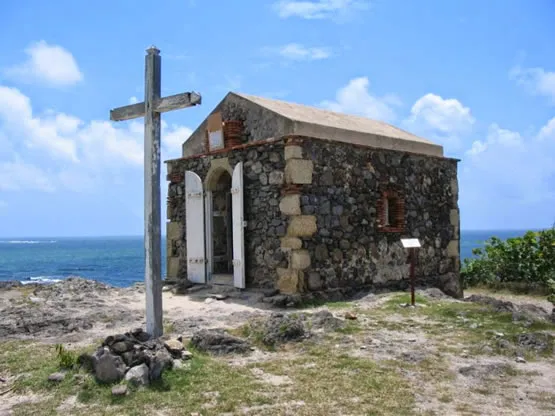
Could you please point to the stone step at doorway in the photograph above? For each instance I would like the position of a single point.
(222, 279)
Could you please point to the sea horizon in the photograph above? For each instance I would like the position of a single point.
(45, 237)
(118, 260)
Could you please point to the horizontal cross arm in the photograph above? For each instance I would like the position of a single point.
(177, 101)
(162, 105)
(128, 112)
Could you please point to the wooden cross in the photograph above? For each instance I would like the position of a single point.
(151, 109)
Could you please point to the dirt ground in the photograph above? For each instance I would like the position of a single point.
(454, 360)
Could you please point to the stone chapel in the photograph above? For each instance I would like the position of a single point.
(271, 194)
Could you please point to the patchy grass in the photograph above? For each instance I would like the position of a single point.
(404, 299)
(351, 327)
(473, 325)
(323, 380)
(545, 400)
(316, 377)
(330, 382)
(179, 392)
(315, 303)
(169, 327)
(254, 332)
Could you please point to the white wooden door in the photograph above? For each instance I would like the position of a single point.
(209, 240)
(194, 224)
(237, 213)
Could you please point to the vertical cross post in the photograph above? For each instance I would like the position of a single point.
(151, 110)
(153, 254)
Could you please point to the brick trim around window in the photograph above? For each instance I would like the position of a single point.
(391, 210)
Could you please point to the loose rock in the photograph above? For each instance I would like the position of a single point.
(175, 347)
(536, 341)
(520, 312)
(350, 315)
(109, 368)
(162, 361)
(280, 328)
(486, 370)
(119, 390)
(325, 320)
(217, 341)
(138, 375)
(56, 377)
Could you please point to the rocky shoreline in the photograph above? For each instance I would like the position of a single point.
(78, 308)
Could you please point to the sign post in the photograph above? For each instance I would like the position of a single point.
(151, 110)
(411, 244)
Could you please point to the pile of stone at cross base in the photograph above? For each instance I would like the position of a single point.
(135, 357)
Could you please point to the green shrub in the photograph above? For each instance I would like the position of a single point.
(528, 260)
(67, 359)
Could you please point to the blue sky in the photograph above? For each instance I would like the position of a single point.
(477, 77)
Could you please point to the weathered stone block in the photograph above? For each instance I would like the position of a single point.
(172, 267)
(299, 171)
(454, 187)
(174, 230)
(293, 152)
(275, 177)
(454, 217)
(300, 259)
(314, 281)
(169, 247)
(453, 248)
(290, 204)
(291, 243)
(302, 226)
(289, 280)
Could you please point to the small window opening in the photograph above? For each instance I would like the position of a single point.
(390, 204)
(392, 211)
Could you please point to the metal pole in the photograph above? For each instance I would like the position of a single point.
(153, 254)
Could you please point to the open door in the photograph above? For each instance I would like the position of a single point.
(194, 224)
(238, 224)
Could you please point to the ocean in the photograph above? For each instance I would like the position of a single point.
(118, 261)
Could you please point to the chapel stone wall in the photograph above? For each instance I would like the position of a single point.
(351, 246)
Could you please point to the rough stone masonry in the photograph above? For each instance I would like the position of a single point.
(326, 209)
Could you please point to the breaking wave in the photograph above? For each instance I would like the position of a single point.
(27, 241)
(41, 279)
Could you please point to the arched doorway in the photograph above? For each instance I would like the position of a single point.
(220, 237)
(214, 223)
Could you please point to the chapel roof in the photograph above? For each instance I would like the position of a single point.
(325, 124)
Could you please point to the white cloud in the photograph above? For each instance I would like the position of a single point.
(174, 138)
(298, 52)
(439, 119)
(320, 9)
(17, 175)
(496, 136)
(509, 170)
(537, 81)
(47, 64)
(444, 115)
(547, 132)
(79, 155)
(133, 100)
(48, 133)
(355, 98)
